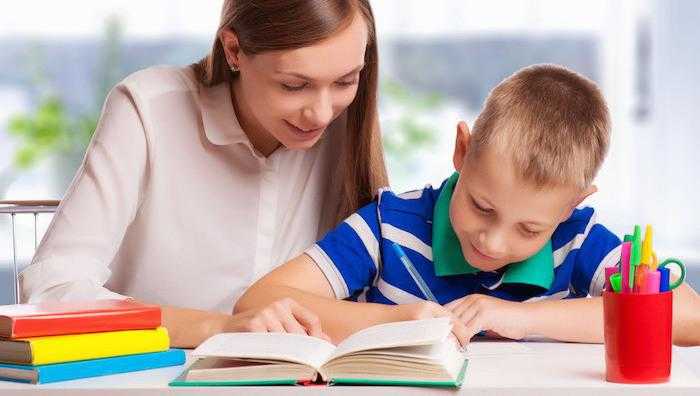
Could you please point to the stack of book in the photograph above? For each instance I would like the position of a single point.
(52, 342)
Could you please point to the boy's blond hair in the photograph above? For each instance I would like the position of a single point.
(552, 122)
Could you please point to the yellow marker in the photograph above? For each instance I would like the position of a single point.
(648, 256)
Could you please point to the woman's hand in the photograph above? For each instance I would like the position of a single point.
(479, 312)
(427, 310)
(281, 316)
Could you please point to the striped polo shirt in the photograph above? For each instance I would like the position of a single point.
(360, 264)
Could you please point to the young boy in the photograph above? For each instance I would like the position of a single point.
(500, 245)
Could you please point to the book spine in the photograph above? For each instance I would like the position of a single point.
(51, 325)
(68, 348)
(108, 366)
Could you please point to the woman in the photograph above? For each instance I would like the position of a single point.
(200, 180)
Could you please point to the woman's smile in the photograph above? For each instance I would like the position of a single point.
(304, 134)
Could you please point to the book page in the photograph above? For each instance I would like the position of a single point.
(223, 369)
(396, 334)
(296, 348)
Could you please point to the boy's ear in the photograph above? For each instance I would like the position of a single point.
(590, 190)
(461, 145)
(232, 49)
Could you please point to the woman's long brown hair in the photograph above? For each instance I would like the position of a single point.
(288, 24)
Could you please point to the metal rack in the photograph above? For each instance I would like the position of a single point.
(14, 208)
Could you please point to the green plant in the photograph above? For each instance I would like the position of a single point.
(48, 130)
(406, 133)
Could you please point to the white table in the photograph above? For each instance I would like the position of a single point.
(495, 368)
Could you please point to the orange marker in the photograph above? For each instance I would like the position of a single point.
(640, 279)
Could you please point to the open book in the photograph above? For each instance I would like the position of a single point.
(414, 353)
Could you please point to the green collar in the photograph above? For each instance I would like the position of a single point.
(448, 259)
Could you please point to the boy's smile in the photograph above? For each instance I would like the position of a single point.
(498, 217)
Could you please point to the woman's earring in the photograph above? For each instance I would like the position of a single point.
(234, 68)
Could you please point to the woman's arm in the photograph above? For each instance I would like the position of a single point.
(71, 263)
(190, 327)
(301, 280)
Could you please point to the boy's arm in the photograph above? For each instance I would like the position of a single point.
(686, 316)
(302, 280)
(601, 249)
(572, 320)
(581, 319)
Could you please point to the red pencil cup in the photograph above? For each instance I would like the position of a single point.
(638, 337)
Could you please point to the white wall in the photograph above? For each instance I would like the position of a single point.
(673, 189)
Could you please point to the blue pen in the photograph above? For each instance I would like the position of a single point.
(417, 278)
(414, 273)
(664, 283)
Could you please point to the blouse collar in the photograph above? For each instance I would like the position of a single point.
(221, 125)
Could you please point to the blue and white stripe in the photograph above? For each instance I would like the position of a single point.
(358, 260)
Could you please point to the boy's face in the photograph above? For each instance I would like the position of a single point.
(499, 218)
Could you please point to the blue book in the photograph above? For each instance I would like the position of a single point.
(43, 374)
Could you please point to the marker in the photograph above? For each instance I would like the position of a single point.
(627, 238)
(652, 282)
(648, 249)
(625, 266)
(414, 273)
(635, 254)
(609, 272)
(664, 279)
(640, 278)
(616, 282)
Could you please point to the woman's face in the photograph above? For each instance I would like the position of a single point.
(293, 95)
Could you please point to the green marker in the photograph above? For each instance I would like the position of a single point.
(636, 253)
(628, 238)
(616, 282)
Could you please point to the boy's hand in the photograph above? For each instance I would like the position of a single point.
(281, 316)
(427, 310)
(479, 312)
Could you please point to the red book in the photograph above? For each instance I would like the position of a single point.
(55, 318)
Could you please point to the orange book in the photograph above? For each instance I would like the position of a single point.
(57, 318)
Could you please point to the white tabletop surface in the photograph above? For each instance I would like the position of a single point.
(495, 368)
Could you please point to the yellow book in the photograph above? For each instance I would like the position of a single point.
(73, 347)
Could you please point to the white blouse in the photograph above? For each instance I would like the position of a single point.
(173, 205)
